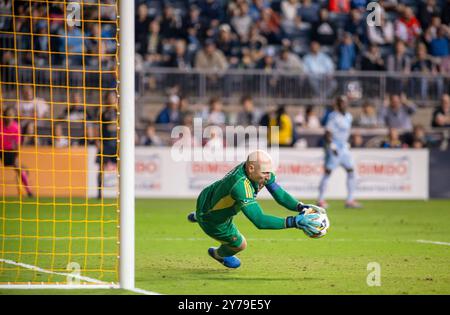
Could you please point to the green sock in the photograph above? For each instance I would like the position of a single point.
(225, 251)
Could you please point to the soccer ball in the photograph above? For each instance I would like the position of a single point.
(324, 222)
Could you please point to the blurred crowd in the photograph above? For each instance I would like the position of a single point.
(313, 37)
(43, 38)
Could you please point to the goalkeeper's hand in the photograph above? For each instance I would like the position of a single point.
(305, 222)
(301, 207)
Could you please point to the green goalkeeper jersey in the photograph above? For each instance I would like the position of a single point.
(235, 192)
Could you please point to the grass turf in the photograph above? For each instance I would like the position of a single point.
(171, 253)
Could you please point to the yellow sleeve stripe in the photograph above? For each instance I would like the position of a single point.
(248, 189)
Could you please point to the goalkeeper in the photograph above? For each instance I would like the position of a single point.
(220, 201)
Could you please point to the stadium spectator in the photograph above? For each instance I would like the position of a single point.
(41, 46)
(382, 34)
(180, 58)
(432, 29)
(80, 119)
(288, 61)
(356, 140)
(424, 64)
(309, 11)
(241, 20)
(284, 136)
(249, 115)
(151, 47)
(183, 107)
(427, 9)
(171, 24)
(107, 145)
(256, 7)
(9, 148)
(312, 121)
(441, 115)
(392, 140)
(399, 62)
(324, 31)
(372, 60)
(319, 66)
(215, 140)
(357, 26)
(141, 26)
(269, 26)
(368, 117)
(150, 138)
(339, 6)
(74, 45)
(397, 113)
(29, 135)
(210, 57)
(170, 114)
(346, 53)
(440, 43)
(193, 19)
(60, 140)
(32, 108)
(215, 114)
(416, 139)
(407, 28)
(289, 9)
(228, 44)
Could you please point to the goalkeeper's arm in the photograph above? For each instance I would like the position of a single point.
(255, 214)
(282, 197)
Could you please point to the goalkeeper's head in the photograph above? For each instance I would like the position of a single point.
(258, 167)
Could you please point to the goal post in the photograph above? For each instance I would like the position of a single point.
(67, 113)
(127, 134)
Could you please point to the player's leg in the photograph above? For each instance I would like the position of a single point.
(232, 241)
(330, 164)
(12, 159)
(347, 163)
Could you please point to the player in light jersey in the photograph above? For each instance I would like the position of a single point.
(219, 202)
(9, 146)
(337, 153)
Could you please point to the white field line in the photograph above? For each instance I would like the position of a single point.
(35, 268)
(62, 238)
(433, 242)
(145, 292)
(98, 283)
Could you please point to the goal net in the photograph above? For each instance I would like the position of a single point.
(59, 205)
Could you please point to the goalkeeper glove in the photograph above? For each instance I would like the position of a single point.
(305, 222)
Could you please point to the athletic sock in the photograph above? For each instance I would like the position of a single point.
(350, 185)
(24, 177)
(323, 186)
(225, 251)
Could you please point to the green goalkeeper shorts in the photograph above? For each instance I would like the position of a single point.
(226, 233)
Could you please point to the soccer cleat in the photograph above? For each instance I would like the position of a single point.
(230, 261)
(352, 204)
(322, 204)
(191, 217)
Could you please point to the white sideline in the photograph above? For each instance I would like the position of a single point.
(432, 242)
(98, 284)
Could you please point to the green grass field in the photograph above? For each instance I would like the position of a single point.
(171, 253)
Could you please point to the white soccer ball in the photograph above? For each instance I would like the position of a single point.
(324, 223)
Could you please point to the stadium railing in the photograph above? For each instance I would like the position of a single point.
(288, 87)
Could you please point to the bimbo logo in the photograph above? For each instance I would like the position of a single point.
(387, 167)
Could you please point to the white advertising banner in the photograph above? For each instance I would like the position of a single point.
(380, 174)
